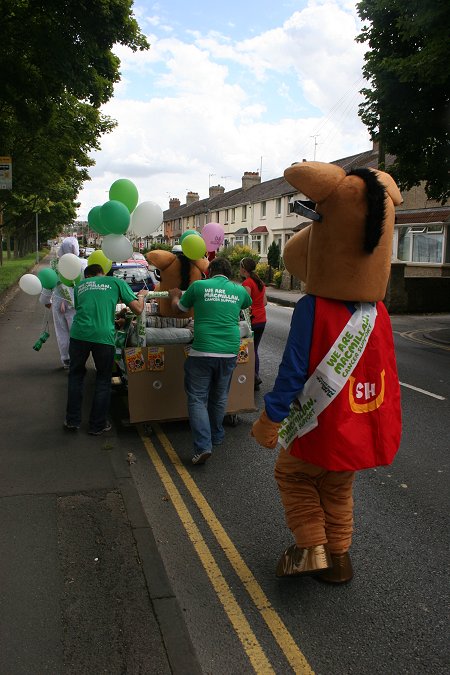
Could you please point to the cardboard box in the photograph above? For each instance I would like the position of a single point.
(157, 392)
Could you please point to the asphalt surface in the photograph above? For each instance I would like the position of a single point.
(83, 587)
(98, 569)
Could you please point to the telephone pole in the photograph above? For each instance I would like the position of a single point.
(315, 136)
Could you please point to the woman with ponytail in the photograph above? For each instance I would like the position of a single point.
(257, 291)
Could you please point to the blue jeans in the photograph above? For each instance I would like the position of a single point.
(103, 356)
(207, 382)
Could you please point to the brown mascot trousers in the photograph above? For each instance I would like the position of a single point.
(318, 503)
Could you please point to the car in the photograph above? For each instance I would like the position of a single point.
(137, 276)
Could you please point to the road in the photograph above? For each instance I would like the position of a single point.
(220, 529)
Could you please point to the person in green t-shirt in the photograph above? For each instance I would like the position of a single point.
(217, 302)
(92, 332)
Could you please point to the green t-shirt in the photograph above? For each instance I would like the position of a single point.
(95, 301)
(217, 303)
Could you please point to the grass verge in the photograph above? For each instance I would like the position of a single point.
(12, 270)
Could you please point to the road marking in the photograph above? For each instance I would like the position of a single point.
(411, 335)
(239, 622)
(281, 634)
(423, 391)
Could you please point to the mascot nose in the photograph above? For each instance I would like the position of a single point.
(306, 208)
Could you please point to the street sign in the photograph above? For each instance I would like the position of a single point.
(5, 173)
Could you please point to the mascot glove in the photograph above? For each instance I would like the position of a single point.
(265, 431)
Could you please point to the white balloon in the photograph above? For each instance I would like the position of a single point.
(69, 266)
(146, 218)
(30, 284)
(117, 247)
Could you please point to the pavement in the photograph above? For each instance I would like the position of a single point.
(83, 586)
(290, 299)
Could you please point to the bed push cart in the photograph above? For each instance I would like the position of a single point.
(155, 374)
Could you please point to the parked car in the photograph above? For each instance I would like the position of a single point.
(135, 274)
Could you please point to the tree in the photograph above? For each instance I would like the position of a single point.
(273, 255)
(407, 107)
(57, 68)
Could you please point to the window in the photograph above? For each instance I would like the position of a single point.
(278, 206)
(226, 216)
(217, 216)
(197, 222)
(239, 240)
(290, 207)
(420, 243)
(263, 209)
(256, 243)
(233, 215)
(244, 212)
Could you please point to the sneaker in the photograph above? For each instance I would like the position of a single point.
(201, 457)
(66, 364)
(70, 427)
(108, 427)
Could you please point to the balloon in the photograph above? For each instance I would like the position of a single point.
(117, 247)
(146, 218)
(114, 217)
(193, 247)
(30, 284)
(94, 220)
(70, 282)
(123, 190)
(99, 258)
(187, 233)
(213, 235)
(48, 277)
(69, 265)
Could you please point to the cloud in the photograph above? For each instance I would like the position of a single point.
(190, 107)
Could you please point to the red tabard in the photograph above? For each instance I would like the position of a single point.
(361, 427)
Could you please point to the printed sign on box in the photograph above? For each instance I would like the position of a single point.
(155, 358)
(243, 352)
(134, 359)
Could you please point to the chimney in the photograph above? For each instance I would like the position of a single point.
(174, 203)
(192, 197)
(216, 190)
(250, 178)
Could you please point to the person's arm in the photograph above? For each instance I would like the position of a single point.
(137, 306)
(175, 295)
(185, 302)
(293, 369)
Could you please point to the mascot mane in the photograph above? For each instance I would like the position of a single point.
(376, 207)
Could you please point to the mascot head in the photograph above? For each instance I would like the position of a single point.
(345, 253)
(176, 271)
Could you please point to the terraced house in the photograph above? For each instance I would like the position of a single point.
(258, 213)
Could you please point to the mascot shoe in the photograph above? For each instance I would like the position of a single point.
(296, 561)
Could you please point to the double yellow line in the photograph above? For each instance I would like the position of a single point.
(240, 624)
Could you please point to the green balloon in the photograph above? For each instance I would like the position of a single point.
(99, 258)
(193, 247)
(115, 217)
(48, 277)
(187, 233)
(70, 282)
(123, 190)
(94, 220)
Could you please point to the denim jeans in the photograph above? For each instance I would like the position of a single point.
(103, 356)
(207, 382)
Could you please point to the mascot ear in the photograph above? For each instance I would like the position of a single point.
(160, 259)
(390, 185)
(202, 265)
(315, 180)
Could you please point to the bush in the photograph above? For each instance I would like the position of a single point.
(162, 247)
(263, 271)
(235, 254)
(277, 278)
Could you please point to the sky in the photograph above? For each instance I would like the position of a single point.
(227, 88)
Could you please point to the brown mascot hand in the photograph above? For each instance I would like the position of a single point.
(265, 431)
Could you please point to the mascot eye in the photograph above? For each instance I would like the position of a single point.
(157, 275)
(203, 275)
(306, 208)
